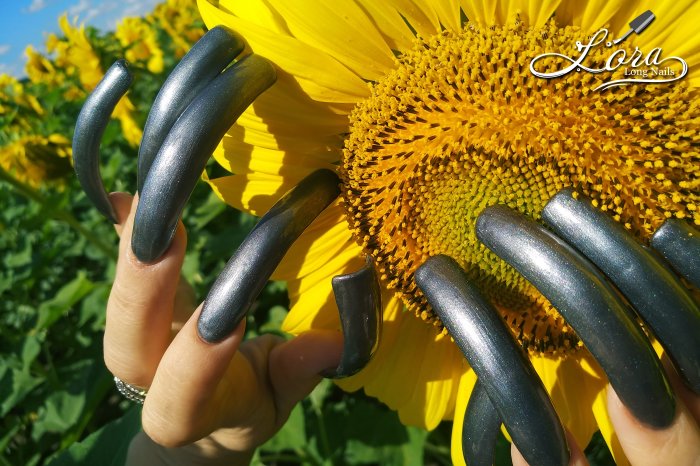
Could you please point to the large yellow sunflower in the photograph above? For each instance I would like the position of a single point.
(428, 111)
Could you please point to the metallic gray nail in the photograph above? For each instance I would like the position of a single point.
(184, 154)
(679, 243)
(205, 60)
(507, 375)
(91, 124)
(250, 267)
(588, 302)
(360, 306)
(655, 292)
(480, 428)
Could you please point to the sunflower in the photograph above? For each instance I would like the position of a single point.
(428, 112)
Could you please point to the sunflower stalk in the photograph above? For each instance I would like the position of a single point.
(57, 213)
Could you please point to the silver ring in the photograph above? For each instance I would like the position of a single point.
(131, 392)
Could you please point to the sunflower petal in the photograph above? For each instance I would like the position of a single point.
(327, 80)
(253, 193)
(392, 309)
(340, 29)
(595, 14)
(326, 240)
(466, 386)
(312, 304)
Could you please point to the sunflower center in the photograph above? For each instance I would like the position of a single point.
(462, 124)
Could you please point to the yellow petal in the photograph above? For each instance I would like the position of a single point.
(312, 304)
(571, 395)
(440, 372)
(321, 76)
(386, 17)
(327, 239)
(257, 12)
(392, 308)
(595, 14)
(253, 193)
(489, 12)
(448, 13)
(400, 378)
(466, 386)
(240, 157)
(420, 15)
(340, 29)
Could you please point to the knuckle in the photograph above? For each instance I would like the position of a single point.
(164, 431)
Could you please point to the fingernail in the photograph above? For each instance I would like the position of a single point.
(205, 60)
(359, 301)
(250, 267)
(91, 124)
(679, 243)
(480, 428)
(188, 146)
(589, 304)
(655, 292)
(509, 378)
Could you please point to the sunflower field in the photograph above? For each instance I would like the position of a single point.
(58, 402)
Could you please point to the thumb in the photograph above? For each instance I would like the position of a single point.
(296, 364)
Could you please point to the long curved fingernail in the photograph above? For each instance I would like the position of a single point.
(679, 243)
(360, 306)
(509, 378)
(587, 302)
(91, 124)
(480, 428)
(188, 146)
(250, 267)
(654, 291)
(205, 60)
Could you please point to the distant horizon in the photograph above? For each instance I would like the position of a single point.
(28, 22)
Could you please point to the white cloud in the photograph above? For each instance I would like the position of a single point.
(4, 48)
(37, 5)
(80, 7)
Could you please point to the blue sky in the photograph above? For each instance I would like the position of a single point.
(24, 22)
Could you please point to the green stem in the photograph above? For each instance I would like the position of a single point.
(325, 444)
(440, 453)
(57, 213)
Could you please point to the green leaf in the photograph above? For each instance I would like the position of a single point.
(52, 310)
(291, 436)
(105, 447)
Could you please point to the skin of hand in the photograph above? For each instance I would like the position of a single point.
(207, 403)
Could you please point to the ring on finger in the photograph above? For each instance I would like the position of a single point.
(131, 392)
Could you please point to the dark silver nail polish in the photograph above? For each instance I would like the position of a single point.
(91, 124)
(205, 60)
(679, 243)
(480, 428)
(184, 154)
(655, 292)
(250, 267)
(589, 304)
(359, 301)
(507, 375)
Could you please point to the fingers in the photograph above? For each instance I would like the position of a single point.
(140, 306)
(577, 456)
(679, 443)
(295, 365)
(201, 387)
(187, 397)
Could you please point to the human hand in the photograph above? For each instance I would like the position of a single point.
(223, 399)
